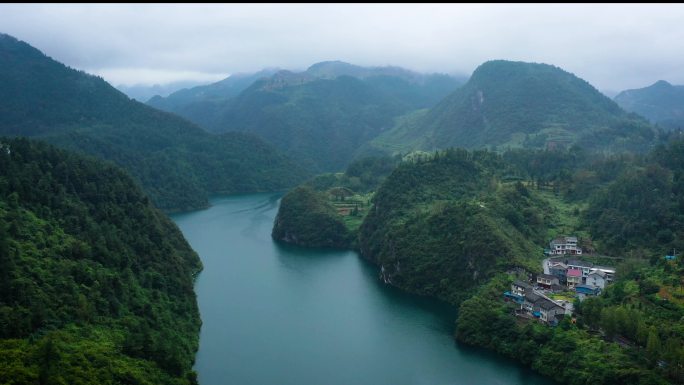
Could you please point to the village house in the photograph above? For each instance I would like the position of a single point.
(535, 304)
(583, 266)
(549, 310)
(597, 278)
(529, 303)
(574, 278)
(607, 270)
(560, 270)
(520, 288)
(547, 281)
(564, 245)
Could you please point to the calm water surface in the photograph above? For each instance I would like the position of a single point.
(285, 315)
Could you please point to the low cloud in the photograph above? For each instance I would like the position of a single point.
(611, 46)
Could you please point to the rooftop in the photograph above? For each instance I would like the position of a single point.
(522, 284)
(531, 297)
(605, 269)
(548, 305)
(574, 273)
(586, 287)
(579, 262)
(547, 276)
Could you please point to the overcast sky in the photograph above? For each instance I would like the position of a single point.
(614, 47)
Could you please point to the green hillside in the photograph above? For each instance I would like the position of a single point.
(306, 218)
(661, 103)
(96, 285)
(445, 225)
(327, 210)
(321, 116)
(518, 104)
(177, 163)
(462, 226)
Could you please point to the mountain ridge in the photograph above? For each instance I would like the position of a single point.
(520, 104)
(177, 162)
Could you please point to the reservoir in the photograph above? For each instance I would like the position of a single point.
(276, 314)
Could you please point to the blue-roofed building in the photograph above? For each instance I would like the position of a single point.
(587, 290)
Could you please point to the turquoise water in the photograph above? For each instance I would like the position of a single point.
(276, 314)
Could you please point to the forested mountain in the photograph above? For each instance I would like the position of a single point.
(309, 217)
(461, 226)
(661, 103)
(445, 225)
(177, 163)
(521, 104)
(96, 285)
(322, 115)
(201, 104)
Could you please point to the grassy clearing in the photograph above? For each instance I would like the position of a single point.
(566, 216)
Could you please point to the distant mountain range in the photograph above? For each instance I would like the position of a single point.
(177, 162)
(519, 104)
(321, 116)
(143, 93)
(661, 103)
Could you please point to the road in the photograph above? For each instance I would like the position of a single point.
(545, 265)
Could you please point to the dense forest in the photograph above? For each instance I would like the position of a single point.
(444, 225)
(321, 116)
(308, 214)
(307, 219)
(461, 226)
(177, 163)
(97, 284)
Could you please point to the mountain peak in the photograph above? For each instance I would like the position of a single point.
(661, 84)
(518, 104)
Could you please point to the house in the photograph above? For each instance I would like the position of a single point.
(518, 291)
(530, 299)
(520, 288)
(574, 278)
(584, 267)
(546, 280)
(587, 290)
(609, 271)
(597, 279)
(560, 270)
(548, 310)
(564, 245)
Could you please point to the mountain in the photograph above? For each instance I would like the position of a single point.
(177, 163)
(442, 226)
(306, 218)
(200, 104)
(143, 93)
(322, 115)
(96, 285)
(520, 104)
(462, 226)
(661, 103)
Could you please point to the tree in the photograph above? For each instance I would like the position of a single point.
(653, 346)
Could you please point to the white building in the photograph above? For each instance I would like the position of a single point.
(597, 278)
(565, 245)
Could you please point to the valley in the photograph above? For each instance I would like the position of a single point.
(382, 224)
